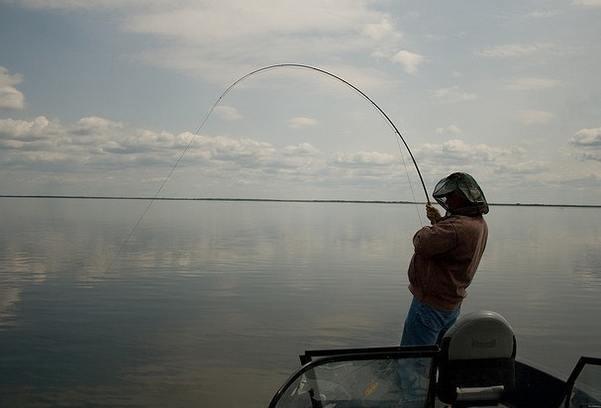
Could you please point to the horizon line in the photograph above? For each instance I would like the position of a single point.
(85, 197)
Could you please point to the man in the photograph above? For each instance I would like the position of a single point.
(446, 257)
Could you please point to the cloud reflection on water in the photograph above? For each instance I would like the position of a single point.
(229, 289)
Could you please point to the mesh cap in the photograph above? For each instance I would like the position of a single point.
(466, 187)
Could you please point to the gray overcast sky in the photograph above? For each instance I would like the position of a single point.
(101, 97)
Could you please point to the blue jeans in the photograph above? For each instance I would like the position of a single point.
(424, 324)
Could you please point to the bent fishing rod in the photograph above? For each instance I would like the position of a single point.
(224, 93)
(331, 75)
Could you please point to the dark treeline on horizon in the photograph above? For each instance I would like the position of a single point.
(276, 200)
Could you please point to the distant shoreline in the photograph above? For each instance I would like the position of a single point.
(282, 200)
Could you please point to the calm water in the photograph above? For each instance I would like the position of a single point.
(211, 302)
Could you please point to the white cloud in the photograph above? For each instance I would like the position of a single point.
(409, 60)
(365, 159)
(227, 113)
(228, 38)
(596, 156)
(97, 147)
(543, 13)
(10, 97)
(587, 3)
(302, 149)
(588, 142)
(24, 130)
(369, 169)
(244, 152)
(93, 142)
(457, 150)
(218, 41)
(535, 117)
(532, 83)
(587, 137)
(514, 50)
(301, 122)
(95, 124)
(453, 94)
(381, 30)
(452, 130)
(94, 148)
(526, 167)
(84, 4)
(482, 159)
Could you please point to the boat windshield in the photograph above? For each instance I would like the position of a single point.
(585, 384)
(356, 380)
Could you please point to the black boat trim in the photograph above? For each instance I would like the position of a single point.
(571, 381)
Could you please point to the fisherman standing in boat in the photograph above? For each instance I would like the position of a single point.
(446, 257)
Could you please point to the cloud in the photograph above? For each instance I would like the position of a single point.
(532, 83)
(588, 143)
(230, 37)
(596, 156)
(301, 122)
(543, 13)
(93, 143)
(83, 4)
(409, 60)
(489, 162)
(218, 41)
(587, 3)
(514, 50)
(381, 30)
(365, 169)
(365, 159)
(449, 130)
(88, 153)
(587, 138)
(535, 117)
(456, 150)
(94, 124)
(526, 167)
(302, 149)
(194, 22)
(24, 131)
(228, 113)
(91, 140)
(453, 94)
(10, 97)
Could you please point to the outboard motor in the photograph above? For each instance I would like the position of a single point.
(477, 361)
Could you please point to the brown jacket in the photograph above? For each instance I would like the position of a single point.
(446, 257)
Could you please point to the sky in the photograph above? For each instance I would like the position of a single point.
(107, 97)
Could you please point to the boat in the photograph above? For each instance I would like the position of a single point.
(473, 365)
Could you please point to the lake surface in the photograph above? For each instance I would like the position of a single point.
(210, 303)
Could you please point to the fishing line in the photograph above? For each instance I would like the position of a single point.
(419, 215)
(227, 90)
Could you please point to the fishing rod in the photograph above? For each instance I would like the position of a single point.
(224, 93)
(323, 71)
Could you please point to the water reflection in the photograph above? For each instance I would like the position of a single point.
(210, 303)
(8, 297)
(588, 269)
